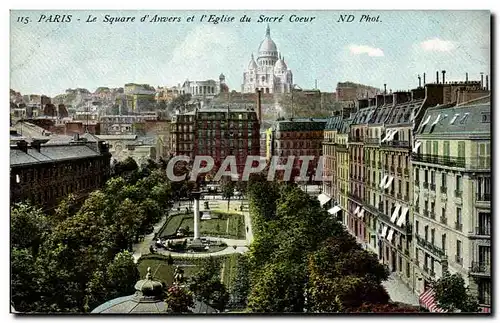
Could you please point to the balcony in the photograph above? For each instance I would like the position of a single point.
(392, 168)
(483, 231)
(417, 183)
(381, 207)
(372, 141)
(355, 139)
(355, 197)
(406, 172)
(386, 167)
(373, 163)
(426, 185)
(433, 187)
(483, 197)
(417, 209)
(431, 247)
(399, 170)
(432, 215)
(407, 252)
(458, 193)
(480, 268)
(459, 226)
(396, 144)
(399, 196)
(379, 164)
(459, 260)
(444, 220)
(426, 212)
(469, 163)
(406, 198)
(444, 189)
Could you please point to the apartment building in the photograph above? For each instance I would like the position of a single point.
(452, 203)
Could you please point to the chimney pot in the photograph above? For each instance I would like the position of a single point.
(444, 73)
(487, 83)
(424, 79)
(437, 77)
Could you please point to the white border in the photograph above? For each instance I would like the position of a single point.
(214, 4)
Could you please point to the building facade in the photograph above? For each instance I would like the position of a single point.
(46, 173)
(402, 146)
(269, 72)
(217, 132)
(299, 137)
(452, 201)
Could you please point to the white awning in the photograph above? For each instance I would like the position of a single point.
(382, 182)
(417, 145)
(402, 218)
(384, 231)
(389, 236)
(437, 120)
(426, 121)
(357, 210)
(393, 133)
(389, 182)
(395, 213)
(323, 199)
(361, 213)
(334, 209)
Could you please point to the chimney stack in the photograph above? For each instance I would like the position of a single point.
(482, 79)
(466, 77)
(437, 77)
(385, 88)
(424, 79)
(487, 83)
(23, 146)
(259, 106)
(419, 81)
(444, 73)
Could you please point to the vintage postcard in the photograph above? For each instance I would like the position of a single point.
(238, 162)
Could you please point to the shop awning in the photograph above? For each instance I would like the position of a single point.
(402, 218)
(395, 213)
(384, 231)
(382, 182)
(323, 199)
(393, 133)
(417, 145)
(361, 213)
(356, 211)
(391, 233)
(389, 182)
(426, 300)
(334, 209)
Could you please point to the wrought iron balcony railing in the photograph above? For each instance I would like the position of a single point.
(483, 197)
(470, 163)
(483, 231)
(480, 267)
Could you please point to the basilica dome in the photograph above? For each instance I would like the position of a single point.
(268, 46)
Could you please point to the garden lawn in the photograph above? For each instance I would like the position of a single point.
(162, 271)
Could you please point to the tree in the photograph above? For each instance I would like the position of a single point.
(24, 280)
(227, 187)
(116, 280)
(278, 287)
(179, 300)
(240, 285)
(206, 285)
(452, 295)
(28, 225)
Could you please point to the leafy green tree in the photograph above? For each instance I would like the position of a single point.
(24, 280)
(116, 280)
(28, 225)
(179, 300)
(452, 295)
(240, 285)
(227, 187)
(206, 285)
(278, 287)
(66, 208)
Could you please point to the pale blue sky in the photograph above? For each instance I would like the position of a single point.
(51, 57)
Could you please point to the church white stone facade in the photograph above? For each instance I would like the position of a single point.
(269, 73)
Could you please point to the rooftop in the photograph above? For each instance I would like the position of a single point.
(50, 153)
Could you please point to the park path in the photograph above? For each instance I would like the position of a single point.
(142, 247)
